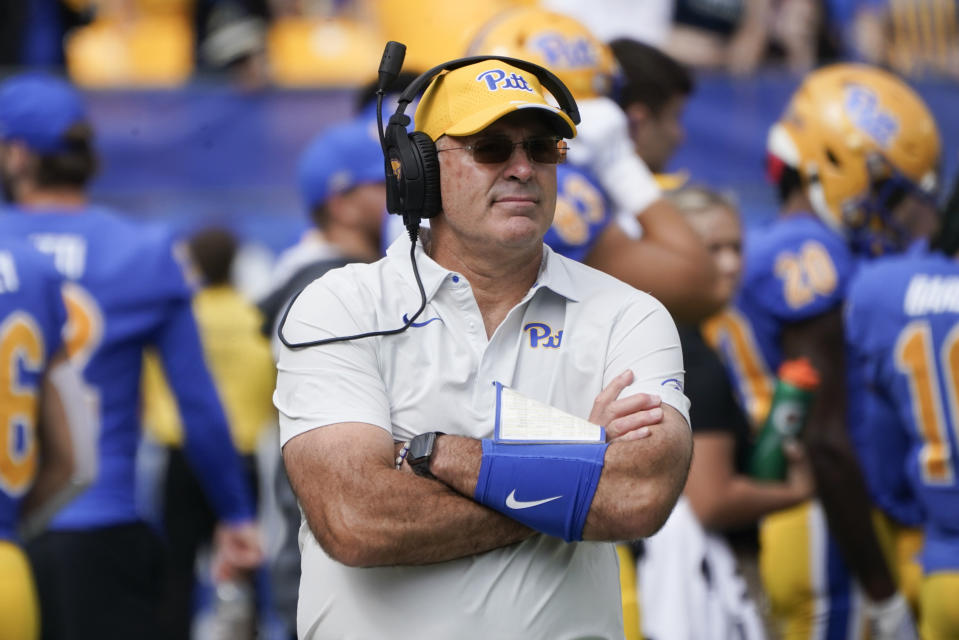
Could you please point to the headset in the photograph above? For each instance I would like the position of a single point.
(411, 163)
(412, 166)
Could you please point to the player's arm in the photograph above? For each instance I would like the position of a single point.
(68, 446)
(207, 442)
(669, 261)
(842, 489)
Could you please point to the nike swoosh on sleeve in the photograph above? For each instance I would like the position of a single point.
(513, 503)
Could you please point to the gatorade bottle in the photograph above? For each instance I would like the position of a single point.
(793, 396)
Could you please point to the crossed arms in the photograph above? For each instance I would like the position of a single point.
(364, 512)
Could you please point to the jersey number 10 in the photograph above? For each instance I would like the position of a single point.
(916, 360)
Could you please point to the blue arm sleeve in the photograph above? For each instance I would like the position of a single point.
(207, 441)
(547, 487)
(884, 458)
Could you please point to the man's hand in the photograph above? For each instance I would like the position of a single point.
(627, 418)
(237, 549)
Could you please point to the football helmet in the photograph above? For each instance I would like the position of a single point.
(556, 41)
(859, 139)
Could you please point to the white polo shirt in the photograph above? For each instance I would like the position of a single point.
(574, 331)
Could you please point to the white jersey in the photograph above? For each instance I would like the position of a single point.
(574, 331)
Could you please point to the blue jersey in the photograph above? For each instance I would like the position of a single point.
(32, 316)
(902, 326)
(582, 212)
(126, 291)
(795, 269)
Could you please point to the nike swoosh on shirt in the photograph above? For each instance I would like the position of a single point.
(513, 503)
(419, 324)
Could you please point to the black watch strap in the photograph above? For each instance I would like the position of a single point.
(421, 452)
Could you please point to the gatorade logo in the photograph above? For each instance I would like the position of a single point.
(497, 79)
(787, 418)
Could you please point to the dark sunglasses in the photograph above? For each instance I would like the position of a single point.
(494, 150)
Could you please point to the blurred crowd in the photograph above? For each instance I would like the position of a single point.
(118, 43)
(666, 233)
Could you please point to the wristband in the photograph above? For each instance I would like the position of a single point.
(547, 487)
(401, 456)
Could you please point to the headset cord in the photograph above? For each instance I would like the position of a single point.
(412, 230)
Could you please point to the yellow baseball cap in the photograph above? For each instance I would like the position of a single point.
(466, 100)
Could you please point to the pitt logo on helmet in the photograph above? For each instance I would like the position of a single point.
(497, 79)
(553, 40)
(864, 111)
(561, 52)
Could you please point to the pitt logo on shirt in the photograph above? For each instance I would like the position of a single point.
(541, 334)
(497, 79)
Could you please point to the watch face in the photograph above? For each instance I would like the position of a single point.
(421, 446)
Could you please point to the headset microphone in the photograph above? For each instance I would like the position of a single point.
(390, 65)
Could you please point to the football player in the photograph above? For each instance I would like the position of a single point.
(902, 325)
(97, 567)
(854, 160)
(654, 248)
(47, 444)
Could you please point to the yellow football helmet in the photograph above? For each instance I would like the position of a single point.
(556, 41)
(854, 132)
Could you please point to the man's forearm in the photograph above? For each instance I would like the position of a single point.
(640, 482)
(369, 514)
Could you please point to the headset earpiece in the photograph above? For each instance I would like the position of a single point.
(413, 181)
(426, 150)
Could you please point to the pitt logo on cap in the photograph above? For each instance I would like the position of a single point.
(497, 79)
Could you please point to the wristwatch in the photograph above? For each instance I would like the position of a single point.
(421, 451)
